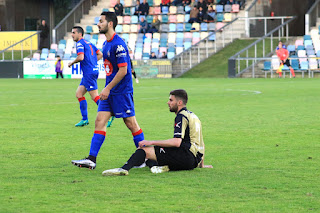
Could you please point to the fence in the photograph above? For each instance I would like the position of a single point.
(22, 52)
(74, 16)
(240, 62)
(311, 17)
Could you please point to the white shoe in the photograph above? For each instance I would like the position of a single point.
(84, 163)
(159, 169)
(115, 172)
(137, 81)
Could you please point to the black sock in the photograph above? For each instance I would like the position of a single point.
(136, 159)
(92, 158)
(151, 163)
(134, 74)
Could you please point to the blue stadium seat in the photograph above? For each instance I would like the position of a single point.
(306, 37)
(267, 66)
(62, 46)
(145, 56)
(45, 50)
(164, 28)
(304, 65)
(219, 8)
(93, 41)
(87, 37)
(220, 17)
(187, 45)
(165, 10)
(62, 41)
(180, 9)
(186, 18)
(67, 56)
(165, 19)
(105, 10)
(227, 8)
(212, 37)
(134, 19)
(204, 26)
(119, 29)
(172, 27)
(95, 36)
(187, 27)
(212, 26)
(53, 51)
(187, 8)
(125, 37)
(96, 20)
(170, 55)
(171, 49)
(89, 29)
(295, 64)
(149, 19)
(291, 48)
(180, 27)
(300, 47)
(318, 53)
(43, 56)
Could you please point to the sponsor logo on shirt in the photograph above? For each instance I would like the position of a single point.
(177, 124)
(120, 48)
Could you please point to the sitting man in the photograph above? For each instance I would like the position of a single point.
(144, 26)
(185, 151)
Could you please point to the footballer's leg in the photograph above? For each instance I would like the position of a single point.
(95, 96)
(135, 129)
(96, 142)
(81, 91)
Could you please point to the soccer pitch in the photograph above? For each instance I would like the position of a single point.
(262, 137)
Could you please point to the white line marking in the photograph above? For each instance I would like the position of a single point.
(250, 91)
(37, 104)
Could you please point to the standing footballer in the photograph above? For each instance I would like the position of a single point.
(117, 96)
(88, 56)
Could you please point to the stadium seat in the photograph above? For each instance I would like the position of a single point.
(165, 19)
(203, 35)
(51, 56)
(186, 18)
(43, 56)
(306, 37)
(52, 51)
(62, 41)
(164, 28)
(235, 8)
(157, 2)
(87, 37)
(172, 27)
(180, 18)
(313, 64)
(173, 18)
(45, 50)
(179, 50)
(227, 8)
(195, 26)
(164, 36)
(195, 40)
(219, 26)
(187, 45)
(102, 36)
(163, 49)
(126, 28)
(95, 36)
(95, 29)
(125, 37)
(105, 10)
(173, 10)
(36, 56)
(165, 10)
(120, 19)
(310, 52)
(298, 43)
(138, 55)
(62, 46)
(211, 26)
(127, 11)
(156, 35)
(54, 47)
(187, 8)
(219, 8)
(149, 19)
(170, 55)
(145, 56)
(134, 19)
(295, 64)
(127, 19)
(212, 36)
(227, 17)
(220, 17)
(133, 28)
(96, 20)
(67, 56)
(150, 2)
(180, 27)
(204, 26)
(118, 28)
(89, 29)
(157, 10)
(93, 41)
(180, 9)
(266, 67)
(291, 49)
(188, 27)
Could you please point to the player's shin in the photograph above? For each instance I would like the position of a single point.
(136, 159)
(83, 108)
(96, 143)
(137, 137)
(97, 99)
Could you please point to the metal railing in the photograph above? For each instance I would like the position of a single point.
(74, 16)
(311, 17)
(239, 63)
(204, 48)
(22, 49)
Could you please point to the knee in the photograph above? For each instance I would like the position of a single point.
(78, 95)
(99, 123)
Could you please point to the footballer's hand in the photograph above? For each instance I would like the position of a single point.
(69, 64)
(104, 94)
(144, 143)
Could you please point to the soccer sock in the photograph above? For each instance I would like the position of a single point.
(83, 108)
(97, 99)
(136, 159)
(96, 142)
(292, 72)
(137, 137)
(134, 74)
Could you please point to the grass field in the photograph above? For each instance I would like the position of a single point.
(262, 137)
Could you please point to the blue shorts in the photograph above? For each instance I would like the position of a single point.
(121, 106)
(90, 82)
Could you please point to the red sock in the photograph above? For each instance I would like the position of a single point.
(81, 99)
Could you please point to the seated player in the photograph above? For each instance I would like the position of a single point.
(185, 151)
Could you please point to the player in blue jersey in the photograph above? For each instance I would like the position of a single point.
(117, 96)
(88, 55)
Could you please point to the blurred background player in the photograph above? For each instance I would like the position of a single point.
(117, 96)
(88, 55)
(283, 55)
(59, 67)
(185, 151)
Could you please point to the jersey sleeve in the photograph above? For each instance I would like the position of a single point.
(180, 125)
(80, 48)
(121, 55)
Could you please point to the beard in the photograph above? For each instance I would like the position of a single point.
(103, 31)
(173, 108)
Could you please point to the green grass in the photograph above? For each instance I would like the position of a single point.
(264, 148)
(216, 66)
(16, 54)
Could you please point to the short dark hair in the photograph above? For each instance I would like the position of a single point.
(111, 16)
(58, 56)
(180, 94)
(79, 29)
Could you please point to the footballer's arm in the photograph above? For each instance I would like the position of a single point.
(79, 58)
(117, 78)
(99, 55)
(173, 142)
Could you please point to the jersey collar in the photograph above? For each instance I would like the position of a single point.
(184, 108)
(111, 38)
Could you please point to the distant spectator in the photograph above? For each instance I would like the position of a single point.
(43, 34)
(210, 2)
(193, 3)
(194, 15)
(177, 2)
(153, 55)
(145, 8)
(164, 55)
(137, 8)
(202, 16)
(165, 3)
(231, 2)
(242, 3)
(185, 2)
(211, 14)
(118, 9)
(144, 26)
(203, 4)
(223, 2)
(59, 67)
(155, 25)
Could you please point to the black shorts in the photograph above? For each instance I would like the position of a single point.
(177, 158)
(287, 62)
